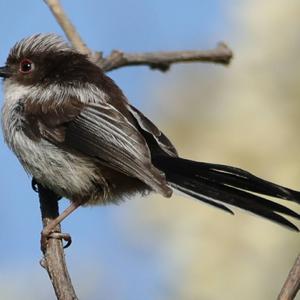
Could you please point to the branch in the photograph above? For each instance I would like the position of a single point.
(54, 259)
(292, 283)
(67, 26)
(155, 60)
(163, 60)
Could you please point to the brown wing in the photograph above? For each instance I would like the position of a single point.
(49, 121)
(102, 131)
(146, 125)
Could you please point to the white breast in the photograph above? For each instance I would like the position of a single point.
(63, 172)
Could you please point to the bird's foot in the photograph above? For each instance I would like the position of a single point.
(45, 236)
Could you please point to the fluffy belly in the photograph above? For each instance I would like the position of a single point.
(69, 175)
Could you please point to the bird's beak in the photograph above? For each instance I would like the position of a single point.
(4, 72)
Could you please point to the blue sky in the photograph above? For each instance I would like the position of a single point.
(131, 25)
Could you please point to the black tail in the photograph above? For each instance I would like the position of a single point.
(219, 184)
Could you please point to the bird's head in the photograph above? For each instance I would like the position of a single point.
(45, 59)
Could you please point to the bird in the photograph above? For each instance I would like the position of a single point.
(75, 132)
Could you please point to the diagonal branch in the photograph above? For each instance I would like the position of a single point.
(292, 283)
(67, 26)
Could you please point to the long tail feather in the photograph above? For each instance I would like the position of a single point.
(221, 185)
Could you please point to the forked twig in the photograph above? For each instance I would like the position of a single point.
(54, 260)
(155, 60)
(54, 255)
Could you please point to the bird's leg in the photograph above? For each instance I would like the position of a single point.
(51, 212)
(48, 231)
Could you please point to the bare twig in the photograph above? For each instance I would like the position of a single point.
(292, 283)
(67, 26)
(54, 259)
(53, 256)
(155, 60)
(163, 60)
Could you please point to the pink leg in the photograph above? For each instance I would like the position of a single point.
(48, 231)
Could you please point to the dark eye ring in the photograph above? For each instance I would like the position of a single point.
(26, 66)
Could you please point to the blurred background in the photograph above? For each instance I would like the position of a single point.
(246, 115)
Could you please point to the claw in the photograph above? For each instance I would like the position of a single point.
(62, 236)
(49, 232)
(55, 235)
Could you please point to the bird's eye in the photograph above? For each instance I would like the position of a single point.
(26, 66)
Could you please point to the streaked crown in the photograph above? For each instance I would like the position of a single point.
(39, 44)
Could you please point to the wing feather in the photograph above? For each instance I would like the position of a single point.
(102, 131)
(146, 125)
